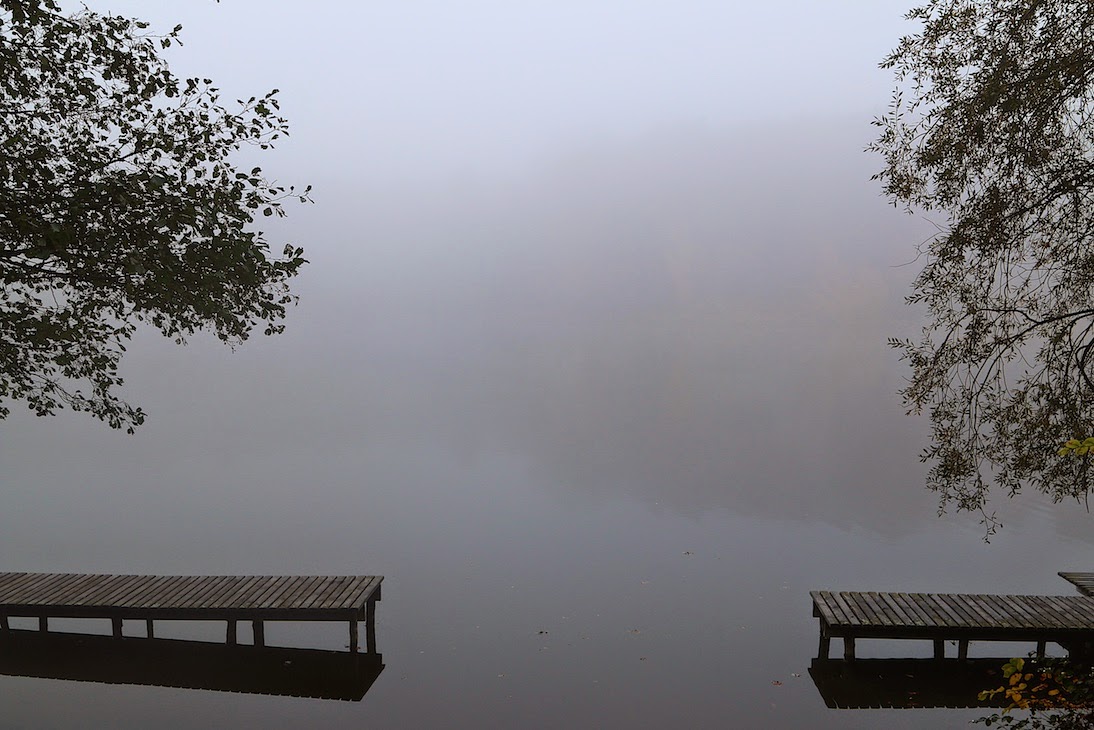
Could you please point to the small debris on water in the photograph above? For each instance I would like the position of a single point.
(542, 633)
(777, 683)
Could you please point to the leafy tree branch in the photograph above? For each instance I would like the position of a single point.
(122, 204)
(990, 127)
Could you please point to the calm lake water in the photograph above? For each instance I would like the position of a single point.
(601, 427)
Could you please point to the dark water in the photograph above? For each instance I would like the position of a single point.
(601, 427)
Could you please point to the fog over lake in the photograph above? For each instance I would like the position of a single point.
(602, 410)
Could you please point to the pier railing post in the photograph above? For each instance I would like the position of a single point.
(116, 622)
(260, 638)
(231, 631)
(43, 623)
(353, 635)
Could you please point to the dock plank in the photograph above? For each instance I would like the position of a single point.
(918, 617)
(880, 614)
(1066, 609)
(1059, 612)
(1021, 608)
(1047, 614)
(255, 600)
(865, 616)
(993, 610)
(358, 585)
(320, 597)
(824, 608)
(926, 602)
(44, 590)
(905, 618)
(942, 610)
(962, 609)
(275, 598)
(890, 614)
(852, 617)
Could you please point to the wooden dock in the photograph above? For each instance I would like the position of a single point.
(940, 617)
(1083, 582)
(349, 598)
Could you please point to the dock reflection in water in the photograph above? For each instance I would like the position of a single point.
(907, 683)
(314, 673)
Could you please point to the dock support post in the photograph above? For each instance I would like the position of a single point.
(353, 635)
(848, 647)
(43, 623)
(939, 649)
(1041, 649)
(117, 624)
(231, 632)
(370, 625)
(963, 649)
(825, 643)
(260, 639)
(4, 623)
(148, 625)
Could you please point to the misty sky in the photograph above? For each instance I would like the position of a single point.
(443, 90)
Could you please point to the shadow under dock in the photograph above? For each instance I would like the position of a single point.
(315, 673)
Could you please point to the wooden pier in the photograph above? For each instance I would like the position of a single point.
(349, 598)
(1083, 582)
(940, 617)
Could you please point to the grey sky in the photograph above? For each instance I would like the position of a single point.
(442, 89)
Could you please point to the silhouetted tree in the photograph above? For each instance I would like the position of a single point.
(990, 129)
(119, 204)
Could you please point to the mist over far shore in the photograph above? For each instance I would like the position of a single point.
(698, 321)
